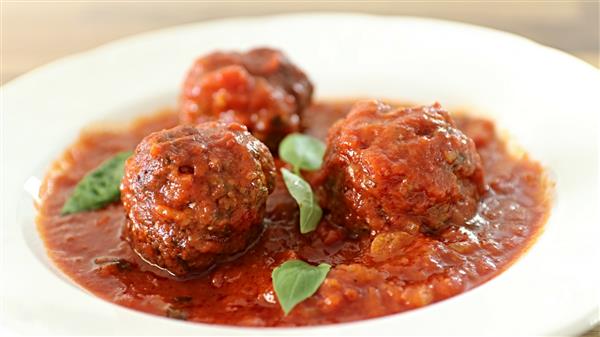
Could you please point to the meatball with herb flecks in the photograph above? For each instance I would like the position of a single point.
(394, 169)
(261, 89)
(196, 195)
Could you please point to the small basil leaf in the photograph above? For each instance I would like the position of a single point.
(310, 211)
(302, 152)
(99, 187)
(295, 280)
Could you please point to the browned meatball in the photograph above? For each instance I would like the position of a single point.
(196, 195)
(388, 168)
(261, 89)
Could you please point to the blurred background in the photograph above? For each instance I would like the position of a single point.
(34, 33)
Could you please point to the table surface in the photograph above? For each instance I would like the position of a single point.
(34, 33)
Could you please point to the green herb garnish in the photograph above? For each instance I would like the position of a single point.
(98, 188)
(310, 211)
(302, 152)
(295, 280)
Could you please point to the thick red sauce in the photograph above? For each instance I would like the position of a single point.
(364, 281)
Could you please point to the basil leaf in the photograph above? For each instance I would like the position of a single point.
(99, 187)
(310, 211)
(295, 280)
(302, 152)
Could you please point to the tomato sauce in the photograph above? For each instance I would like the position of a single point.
(370, 277)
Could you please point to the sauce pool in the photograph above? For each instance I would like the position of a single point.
(367, 280)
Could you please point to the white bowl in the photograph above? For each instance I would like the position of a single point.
(547, 100)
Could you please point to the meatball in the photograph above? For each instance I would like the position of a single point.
(261, 89)
(195, 195)
(397, 169)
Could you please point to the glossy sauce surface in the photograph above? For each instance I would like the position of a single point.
(371, 276)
